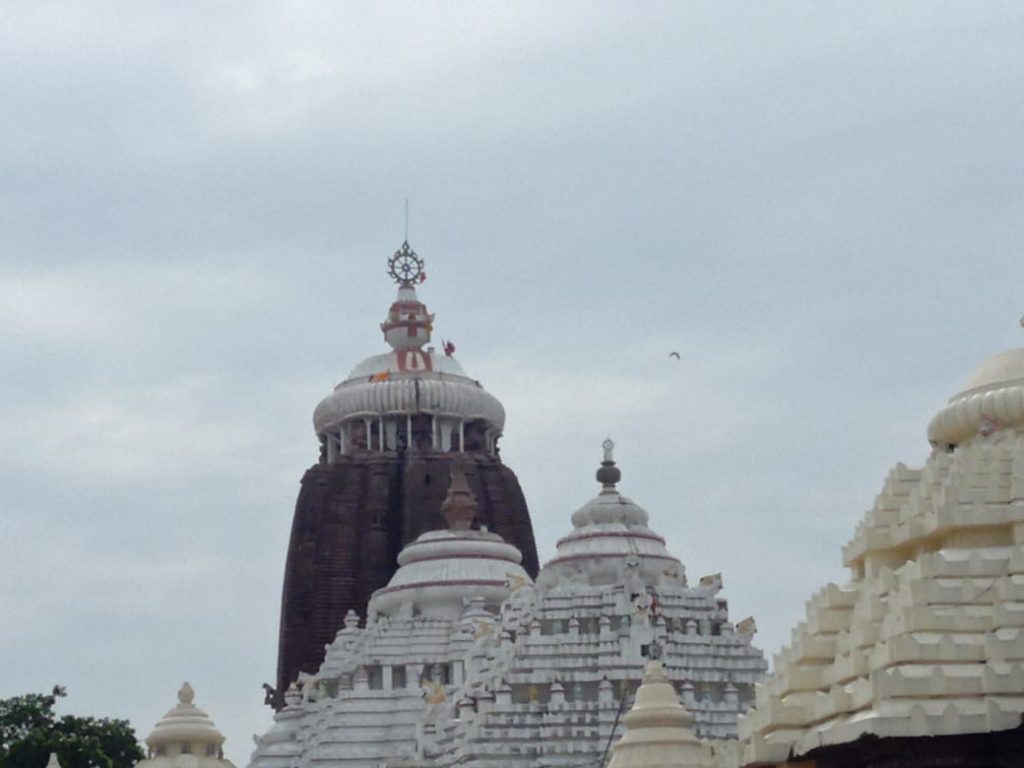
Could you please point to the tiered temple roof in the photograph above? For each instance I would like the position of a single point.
(185, 737)
(518, 674)
(927, 639)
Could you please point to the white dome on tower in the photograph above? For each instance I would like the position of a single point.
(992, 398)
(185, 738)
(383, 402)
(441, 570)
(610, 539)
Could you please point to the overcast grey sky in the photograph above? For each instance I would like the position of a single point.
(818, 205)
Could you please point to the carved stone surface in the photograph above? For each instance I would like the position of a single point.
(465, 660)
(918, 660)
(353, 517)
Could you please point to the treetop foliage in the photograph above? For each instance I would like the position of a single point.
(30, 730)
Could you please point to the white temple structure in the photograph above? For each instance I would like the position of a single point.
(185, 738)
(924, 646)
(464, 660)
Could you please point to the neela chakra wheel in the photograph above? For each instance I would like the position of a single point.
(405, 267)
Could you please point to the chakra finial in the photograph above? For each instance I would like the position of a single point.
(408, 325)
(405, 267)
(608, 475)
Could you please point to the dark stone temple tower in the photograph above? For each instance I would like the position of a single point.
(389, 436)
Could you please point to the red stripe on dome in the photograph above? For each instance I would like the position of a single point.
(453, 582)
(596, 555)
(388, 326)
(413, 360)
(613, 535)
(462, 557)
(460, 538)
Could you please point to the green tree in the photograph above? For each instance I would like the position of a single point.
(30, 730)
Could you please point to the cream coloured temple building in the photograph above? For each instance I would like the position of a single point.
(918, 660)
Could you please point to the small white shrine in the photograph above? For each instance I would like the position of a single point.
(659, 730)
(185, 738)
(464, 660)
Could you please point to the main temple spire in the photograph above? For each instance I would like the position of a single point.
(391, 433)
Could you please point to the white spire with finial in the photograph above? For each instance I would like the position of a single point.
(185, 731)
(608, 475)
(658, 729)
(611, 538)
(609, 507)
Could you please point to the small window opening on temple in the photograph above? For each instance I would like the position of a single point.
(398, 677)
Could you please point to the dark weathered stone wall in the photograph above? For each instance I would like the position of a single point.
(351, 520)
(1000, 749)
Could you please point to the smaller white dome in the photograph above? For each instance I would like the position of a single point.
(609, 507)
(992, 399)
(610, 540)
(442, 569)
(185, 722)
(998, 369)
(185, 737)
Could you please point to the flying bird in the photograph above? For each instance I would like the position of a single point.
(674, 354)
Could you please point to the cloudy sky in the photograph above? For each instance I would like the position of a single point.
(819, 206)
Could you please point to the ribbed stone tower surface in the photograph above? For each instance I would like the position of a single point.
(391, 435)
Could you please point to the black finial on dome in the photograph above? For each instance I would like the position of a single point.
(608, 475)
